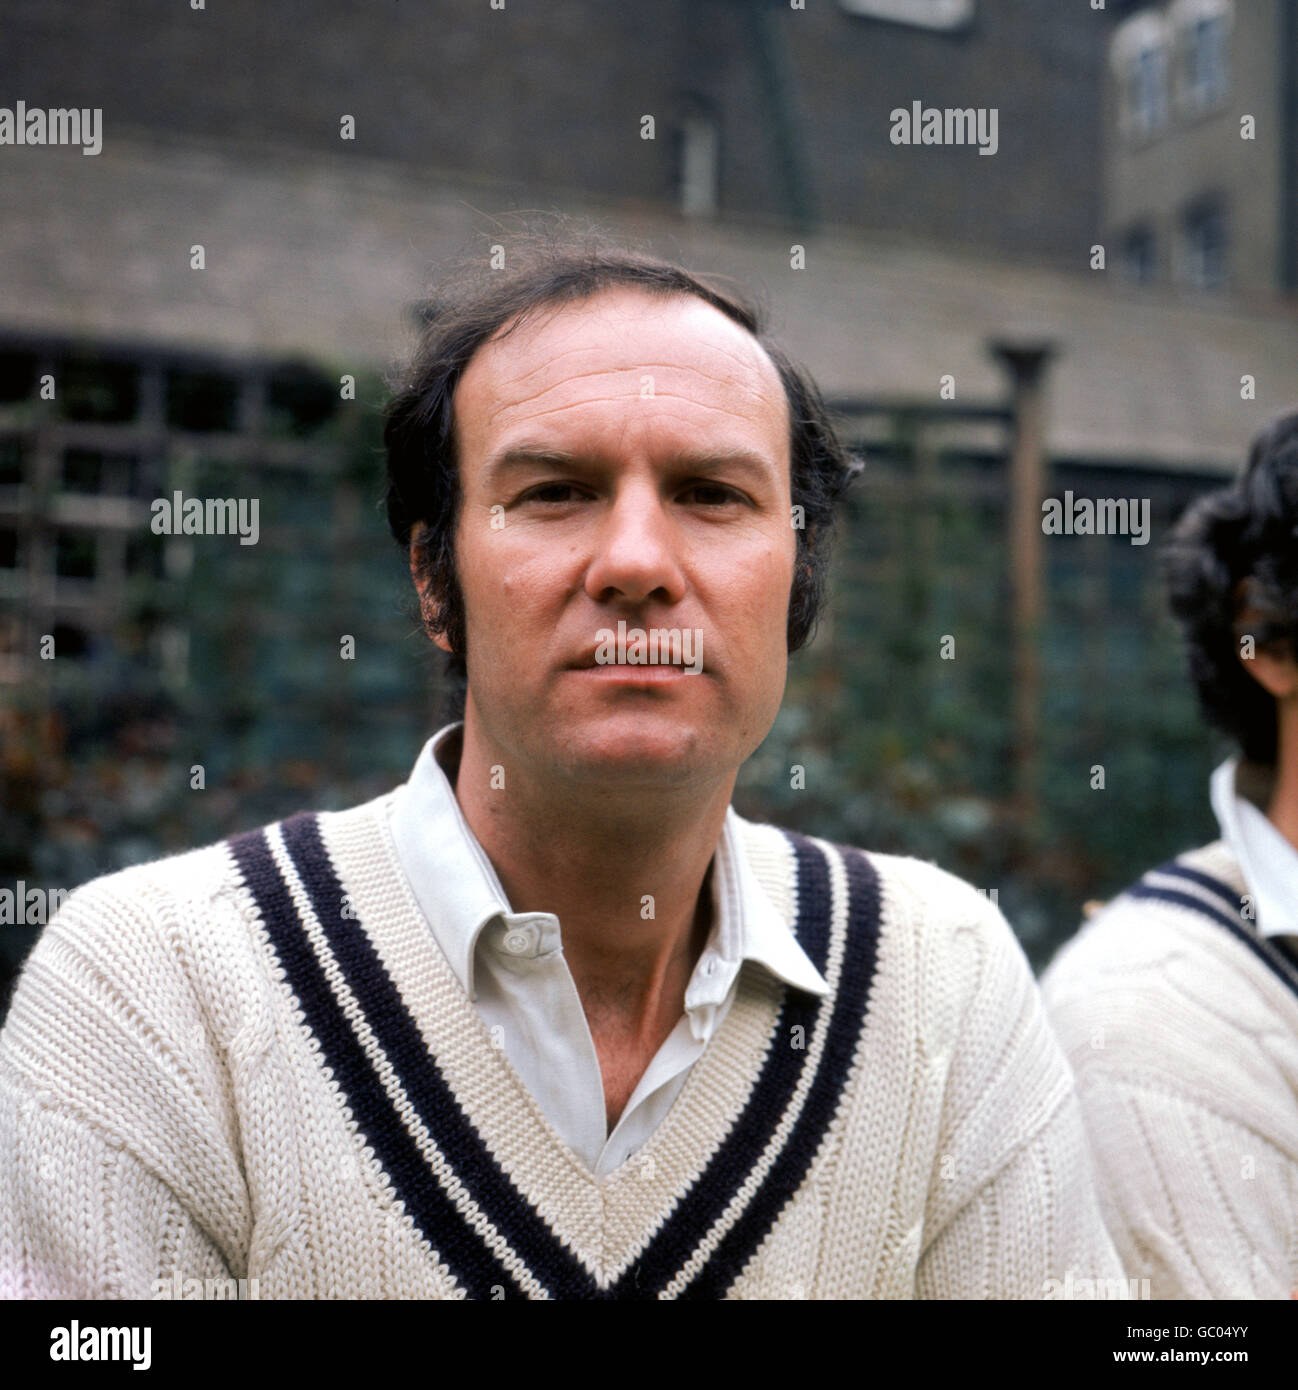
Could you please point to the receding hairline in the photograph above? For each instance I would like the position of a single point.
(538, 315)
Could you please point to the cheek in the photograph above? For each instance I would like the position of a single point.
(484, 578)
(777, 567)
(519, 581)
(756, 601)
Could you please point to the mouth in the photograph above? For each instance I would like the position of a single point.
(633, 675)
(634, 656)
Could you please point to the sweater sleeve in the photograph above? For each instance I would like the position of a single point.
(1199, 1204)
(1184, 1060)
(1033, 1231)
(122, 1164)
(82, 1217)
(1012, 1209)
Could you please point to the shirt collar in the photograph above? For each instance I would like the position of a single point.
(1239, 790)
(460, 893)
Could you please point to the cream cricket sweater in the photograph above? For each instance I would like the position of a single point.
(1181, 1023)
(252, 1062)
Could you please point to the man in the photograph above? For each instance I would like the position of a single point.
(551, 1019)
(1178, 1002)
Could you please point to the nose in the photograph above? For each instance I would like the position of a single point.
(636, 557)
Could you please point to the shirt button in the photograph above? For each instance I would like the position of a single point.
(709, 964)
(517, 943)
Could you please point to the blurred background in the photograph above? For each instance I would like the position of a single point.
(1093, 294)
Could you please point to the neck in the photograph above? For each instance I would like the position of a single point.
(1282, 810)
(626, 875)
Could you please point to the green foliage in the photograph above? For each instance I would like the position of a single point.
(908, 753)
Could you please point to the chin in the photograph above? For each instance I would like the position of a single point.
(636, 747)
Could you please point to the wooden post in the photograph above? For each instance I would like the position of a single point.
(1025, 364)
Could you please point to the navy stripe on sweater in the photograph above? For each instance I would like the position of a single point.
(850, 1004)
(1230, 915)
(1159, 893)
(470, 1264)
(1223, 892)
(551, 1262)
(470, 1260)
(659, 1264)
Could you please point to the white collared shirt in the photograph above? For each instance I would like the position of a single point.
(511, 964)
(1267, 860)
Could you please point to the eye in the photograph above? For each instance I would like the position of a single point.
(551, 493)
(713, 494)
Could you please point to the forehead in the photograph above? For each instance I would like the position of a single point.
(674, 361)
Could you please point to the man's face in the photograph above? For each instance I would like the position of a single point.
(626, 457)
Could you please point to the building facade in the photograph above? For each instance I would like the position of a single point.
(1201, 163)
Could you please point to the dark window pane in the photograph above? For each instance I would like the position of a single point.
(142, 477)
(1204, 234)
(299, 400)
(11, 460)
(201, 401)
(102, 391)
(17, 376)
(74, 555)
(83, 470)
(69, 641)
(144, 555)
(1137, 256)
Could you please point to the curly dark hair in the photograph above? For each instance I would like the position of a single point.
(548, 268)
(1234, 546)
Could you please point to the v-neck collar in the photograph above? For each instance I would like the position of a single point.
(476, 1164)
(1185, 882)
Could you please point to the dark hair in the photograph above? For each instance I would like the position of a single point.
(549, 269)
(1247, 531)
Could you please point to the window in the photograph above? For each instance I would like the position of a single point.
(70, 640)
(83, 470)
(1139, 62)
(146, 555)
(924, 14)
(1203, 29)
(78, 479)
(74, 555)
(11, 460)
(96, 391)
(17, 374)
(1136, 260)
(1147, 91)
(1203, 244)
(198, 400)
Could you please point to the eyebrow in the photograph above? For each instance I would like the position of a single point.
(524, 456)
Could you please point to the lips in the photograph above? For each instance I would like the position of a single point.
(628, 667)
(590, 663)
(669, 649)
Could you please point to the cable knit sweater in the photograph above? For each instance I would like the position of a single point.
(1181, 1023)
(252, 1062)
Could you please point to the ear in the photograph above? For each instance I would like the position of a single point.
(424, 587)
(1273, 666)
(1274, 670)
